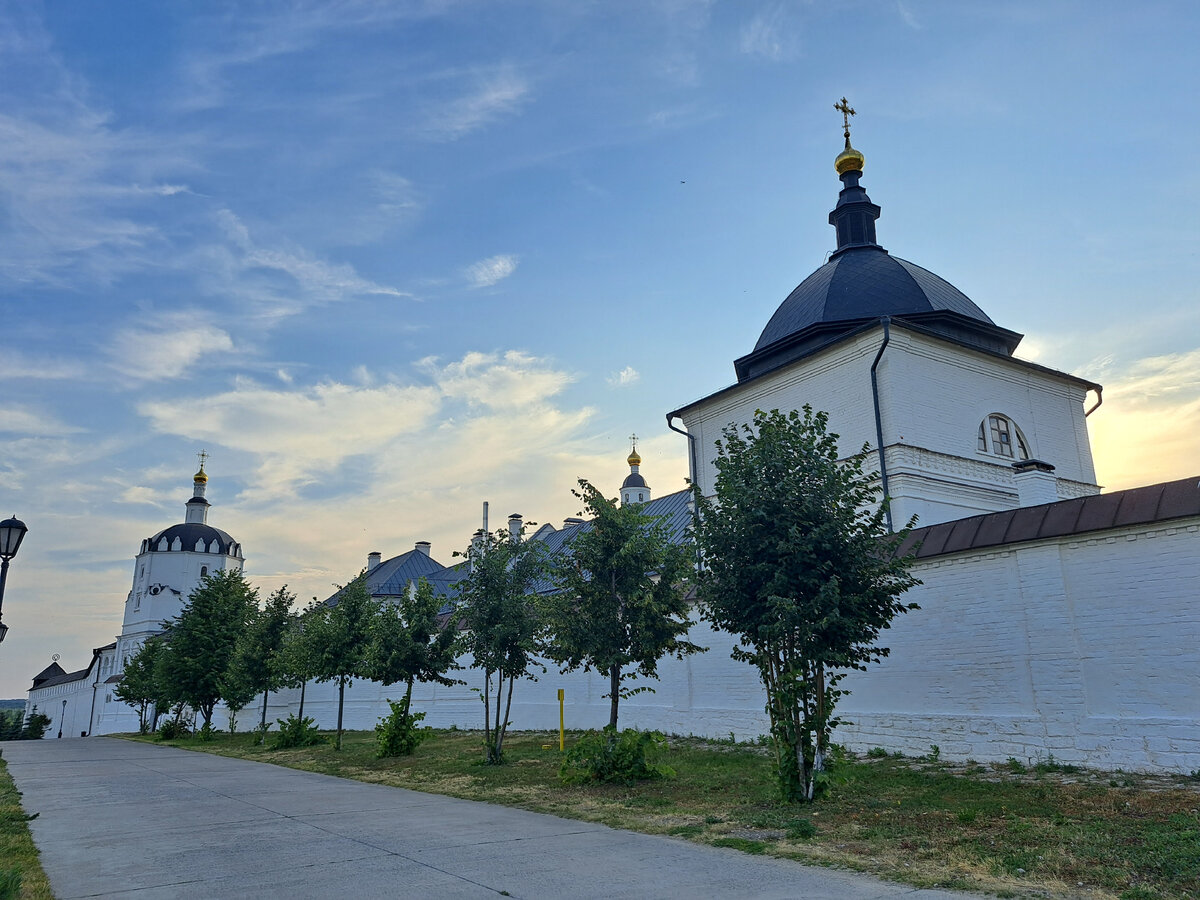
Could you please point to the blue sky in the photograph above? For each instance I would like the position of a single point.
(387, 260)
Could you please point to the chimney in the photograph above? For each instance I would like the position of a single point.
(374, 558)
(423, 546)
(571, 520)
(514, 526)
(1035, 482)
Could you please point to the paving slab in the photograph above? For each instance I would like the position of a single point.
(119, 819)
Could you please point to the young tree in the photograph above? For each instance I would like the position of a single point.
(203, 636)
(798, 563)
(255, 665)
(294, 665)
(501, 621)
(407, 645)
(621, 604)
(139, 683)
(337, 639)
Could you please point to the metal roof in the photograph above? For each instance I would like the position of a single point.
(1063, 518)
(191, 532)
(865, 283)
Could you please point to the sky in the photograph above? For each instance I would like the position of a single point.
(387, 260)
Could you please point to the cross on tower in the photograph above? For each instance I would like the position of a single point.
(847, 111)
(203, 457)
(633, 440)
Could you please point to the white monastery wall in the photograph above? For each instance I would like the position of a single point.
(1085, 649)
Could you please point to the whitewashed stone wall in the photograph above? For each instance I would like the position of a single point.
(1087, 650)
(73, 718)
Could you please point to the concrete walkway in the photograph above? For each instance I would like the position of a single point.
(123, 819)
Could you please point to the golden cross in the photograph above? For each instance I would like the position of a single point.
(203, 457)
(633, 440)
(847, 111)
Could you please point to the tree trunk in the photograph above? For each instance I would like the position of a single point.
(263, 721)
(408, 696)
(341, 703)
(614, 692)
(303, 685)
(487, 714)
(501, 729)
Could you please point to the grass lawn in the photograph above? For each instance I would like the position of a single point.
(21, 873)
(1013, 830)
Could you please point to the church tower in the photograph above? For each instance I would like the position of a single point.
(170, 565)
(908, 365)
(634, 488)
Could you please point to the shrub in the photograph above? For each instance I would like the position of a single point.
(35, 726)
(610, 755)
(206, 732)
(260, 732)
(876, 753)
(399, 734)
(175, 728)
(296, 732)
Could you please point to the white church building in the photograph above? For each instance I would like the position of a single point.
(167, 569)
(1055, 619)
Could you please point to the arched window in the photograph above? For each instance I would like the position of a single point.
(203, 571)
(1000, 436)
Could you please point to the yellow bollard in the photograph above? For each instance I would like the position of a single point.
(560, 720)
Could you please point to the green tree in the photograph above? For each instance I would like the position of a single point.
(139, 685)
(294, 664)
(407, 644)
(202, 639)
(798, 563)
(337, 639)
(501, 620)
(621, 603)
(256, 664)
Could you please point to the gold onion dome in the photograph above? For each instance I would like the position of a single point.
(849, 160)
(634, 459)
(200, 477)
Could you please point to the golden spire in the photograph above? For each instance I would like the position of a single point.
(200, 477)
(849, 159)
(634, 459)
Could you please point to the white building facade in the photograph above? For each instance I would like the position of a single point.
(168, 567)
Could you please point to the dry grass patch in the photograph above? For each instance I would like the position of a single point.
(1018, 830)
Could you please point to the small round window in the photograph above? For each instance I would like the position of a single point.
(999, 435)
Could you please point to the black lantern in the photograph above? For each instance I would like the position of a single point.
(12, 532)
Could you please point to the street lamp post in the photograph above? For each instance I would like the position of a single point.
(12, 532)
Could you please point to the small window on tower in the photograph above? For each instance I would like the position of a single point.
(641, 496)
(999, 435)
(203, 571)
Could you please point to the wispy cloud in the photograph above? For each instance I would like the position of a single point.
(21, 420)
(166, 346)
(18, 364)
(307, 280)
(489, 271)
(907, 16)
(498, 94)
(769, 34)
(625, 378)
(378, 422)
